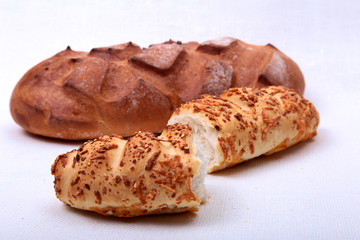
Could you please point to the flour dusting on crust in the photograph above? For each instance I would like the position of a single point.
(277, 70)
(217, 76)
(161, 56)
(220, 42)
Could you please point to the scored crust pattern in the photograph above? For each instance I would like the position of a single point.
(123, 89)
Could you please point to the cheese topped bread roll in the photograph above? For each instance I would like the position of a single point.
(244, 123)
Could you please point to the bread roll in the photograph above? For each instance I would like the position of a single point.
(149, 175)
(139, 176)
(123, 89)
(244, 123)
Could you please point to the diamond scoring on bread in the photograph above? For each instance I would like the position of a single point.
(80, 95)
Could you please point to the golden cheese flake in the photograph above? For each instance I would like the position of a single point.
(224, 148)
(151, 161)
(104, 190)
(75, 181)
(271, 101)
(140, 190)
(238, 116)
(83, 152)
(242, 151)
(79, 192)
(189, 196)
(152, 194)
(172, 171)
(177, 137)
(62, 159)
(269, 123)
(252, 135)
(168, 188)
(272, 90)
(251, 146)
(117, 179)
(126, 181)
(98, 157)
(76, 159)
(98, 197)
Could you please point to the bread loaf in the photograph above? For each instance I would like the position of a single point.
(244, 123)
(150, 175)
(123, 89)
(139, 176)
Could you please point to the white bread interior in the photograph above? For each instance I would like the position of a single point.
(204, 139)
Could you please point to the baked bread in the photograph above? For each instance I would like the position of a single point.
(150, 175)
(139, 176)
(244, 123)
(124, 89)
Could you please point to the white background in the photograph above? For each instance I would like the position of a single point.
(310, 191)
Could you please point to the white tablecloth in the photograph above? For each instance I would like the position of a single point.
(310, 191)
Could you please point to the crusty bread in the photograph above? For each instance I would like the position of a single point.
(244, 123)
(139, 176)
(150, 175)
(123, 89)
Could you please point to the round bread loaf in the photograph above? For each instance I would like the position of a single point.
(123, 89)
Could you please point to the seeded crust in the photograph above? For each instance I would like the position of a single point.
(149, 174)
(126, 178)
(250, 122)
(123, 89)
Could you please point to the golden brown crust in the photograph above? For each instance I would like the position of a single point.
(123, 89)
(139, 176)
(249, 122)
(149, 175)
